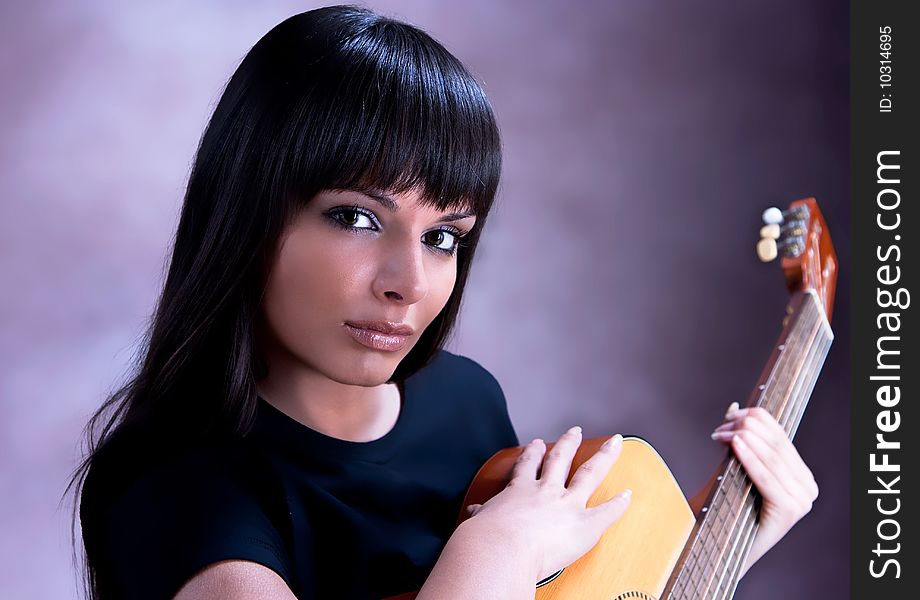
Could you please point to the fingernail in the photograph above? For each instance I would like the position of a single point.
(731, 408)
(576, 429)
(627, 493)
(613, 441)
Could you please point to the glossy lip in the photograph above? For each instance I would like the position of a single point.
(388, 327)
(376, 339)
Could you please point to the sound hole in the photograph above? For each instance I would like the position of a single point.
(634, 594)
(546, 580)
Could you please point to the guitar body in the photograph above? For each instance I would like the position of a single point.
(635, 556)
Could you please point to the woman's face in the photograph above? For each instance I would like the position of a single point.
(349, 257)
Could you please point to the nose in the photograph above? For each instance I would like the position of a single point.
(402, 275)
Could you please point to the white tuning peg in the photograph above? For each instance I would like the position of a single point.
(770, 231)
(766, 249)
(773, 216)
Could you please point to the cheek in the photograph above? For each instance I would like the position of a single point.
(441, 282)
(309, 285)
(447, 279)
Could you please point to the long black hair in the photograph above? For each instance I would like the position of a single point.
(333, 98)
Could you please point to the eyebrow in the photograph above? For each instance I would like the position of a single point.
(390, 204)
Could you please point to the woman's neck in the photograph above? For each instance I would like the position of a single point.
(355, 413)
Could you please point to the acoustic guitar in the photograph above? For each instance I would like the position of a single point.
(659, 549)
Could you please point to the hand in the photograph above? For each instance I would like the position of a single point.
(554, 520)
(786, 484)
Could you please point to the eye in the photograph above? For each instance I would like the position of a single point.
(443, 240)
(351, 217)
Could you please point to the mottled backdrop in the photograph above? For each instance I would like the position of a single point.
(616, 288)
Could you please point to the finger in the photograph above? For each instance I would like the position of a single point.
(758, 421)
(558, 461)
(785, 461)
(593, 471)
(730, 414)
(766, 439)
(608, 513)
(757, 412)
(526, 465)
(769, 426)
(734, 414)
(472, 509)
(790, 501)
(729, 426)
(757, 464)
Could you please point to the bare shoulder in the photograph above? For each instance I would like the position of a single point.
(235, 580)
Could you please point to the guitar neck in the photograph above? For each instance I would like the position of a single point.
(711, 562)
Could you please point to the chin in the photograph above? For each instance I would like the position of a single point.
(370, 370)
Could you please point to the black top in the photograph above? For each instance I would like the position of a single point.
(335, 519)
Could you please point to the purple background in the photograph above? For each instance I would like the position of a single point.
(616, 287)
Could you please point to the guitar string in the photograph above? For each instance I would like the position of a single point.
(828, 339)
(730, 504)
(738, 541)
(792, 415)
(746, 532)
(799, 396)
(728, 590)
(722, 507)
(803, 393)
(791, 404)
(734, 502)
(749, 535)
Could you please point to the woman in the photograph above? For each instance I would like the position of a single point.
(294, 428)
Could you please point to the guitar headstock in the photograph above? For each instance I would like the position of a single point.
(800, 236)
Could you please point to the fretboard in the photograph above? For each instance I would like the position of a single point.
(711, 562)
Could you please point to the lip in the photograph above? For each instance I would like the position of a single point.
(377, 340)
(388, 327)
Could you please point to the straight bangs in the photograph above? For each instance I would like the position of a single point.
(395, 112)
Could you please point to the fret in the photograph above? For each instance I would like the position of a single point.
(733, 498)
(731, 573)
(718, 546)
(817, 361)
(730, 576)
(711, 538)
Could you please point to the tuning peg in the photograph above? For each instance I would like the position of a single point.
(772, 216)
(770, 231)
(766, 249)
